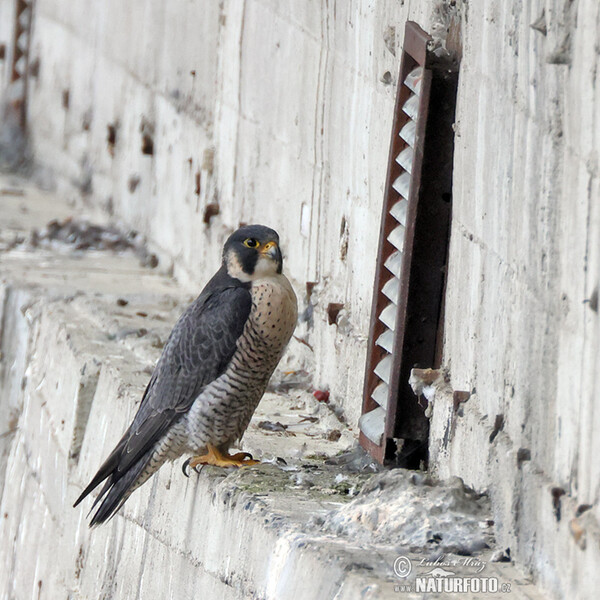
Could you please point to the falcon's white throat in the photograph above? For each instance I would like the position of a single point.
(265, 267)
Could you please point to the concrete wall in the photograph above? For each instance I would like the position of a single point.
(278, 113)
(275, 111)
(522, 325)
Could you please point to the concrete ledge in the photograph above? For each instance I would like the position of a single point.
(80, 334)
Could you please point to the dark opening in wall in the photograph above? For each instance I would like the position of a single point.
(333, 310)
(147, 144)
(406, 316)
(111, 137)
(212, 210)
(147, 131)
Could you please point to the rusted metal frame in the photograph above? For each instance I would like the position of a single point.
(418, 333)
(424, 259)
(411, 414)
(377, 452)
(385, 249)
(414, 54)
(20, 103)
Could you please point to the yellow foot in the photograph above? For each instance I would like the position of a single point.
(216, 458)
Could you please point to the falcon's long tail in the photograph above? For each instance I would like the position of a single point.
(118, 486)
(123, 472)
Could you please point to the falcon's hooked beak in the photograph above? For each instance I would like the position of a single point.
(271, 251)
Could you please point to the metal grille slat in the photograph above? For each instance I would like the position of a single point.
(396, 237)
(413, 80)
(372, 425)
(384, 368)
(386, 340)
(394, 263)
(388, 316)
(380, 394)
(398, 211)
(405, 159)
(408, 133)
(402, 184)
(391, 289)
(411, 106)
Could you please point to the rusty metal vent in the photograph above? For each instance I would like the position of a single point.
(20, 57)
(409, 280)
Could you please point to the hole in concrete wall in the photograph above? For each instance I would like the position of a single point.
(523, 455)
(540, 23)
(386, 78)
(212, 210)
(583, 508)
(86, 120)
(333, 310)
(198, 186)
(133, 182)
(66, 97)
(147, 144)
(557, 494)
(111, 138)
(459, 398)
(498, 427)
(2, 51)
(147, 131)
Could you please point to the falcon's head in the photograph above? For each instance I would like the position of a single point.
(252, 252)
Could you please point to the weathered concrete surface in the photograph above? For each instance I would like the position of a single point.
(522, 333)
(276, 112)
(81, 331)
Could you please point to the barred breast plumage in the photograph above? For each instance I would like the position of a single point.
(221, 413)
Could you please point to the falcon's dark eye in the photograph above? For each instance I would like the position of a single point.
(250, 243)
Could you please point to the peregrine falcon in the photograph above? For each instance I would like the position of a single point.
(212, 373)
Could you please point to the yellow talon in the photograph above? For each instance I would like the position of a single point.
(216, 458)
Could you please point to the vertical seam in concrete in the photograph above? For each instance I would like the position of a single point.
(239, 110)
(322, 140)
(7, 294)
(315, 203)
